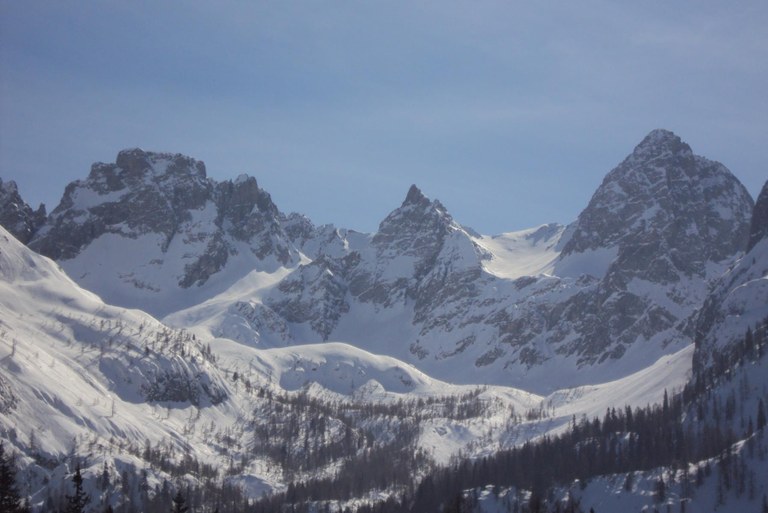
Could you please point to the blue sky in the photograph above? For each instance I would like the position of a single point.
(509, 112)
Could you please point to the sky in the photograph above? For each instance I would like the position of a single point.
(509, 112)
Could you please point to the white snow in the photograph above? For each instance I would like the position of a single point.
(523, 253)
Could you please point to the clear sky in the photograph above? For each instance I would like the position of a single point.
(509, 112)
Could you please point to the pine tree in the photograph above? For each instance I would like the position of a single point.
(105, 478)
(178, 503)
(629, 482)
(10, 501)
(660, 490)
(78, 501)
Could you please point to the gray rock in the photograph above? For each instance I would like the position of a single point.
(315, 294)
(759, 226)
(16, 215)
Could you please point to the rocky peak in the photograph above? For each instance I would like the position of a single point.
(16, 215)
(663, 224)
(415, 197)
(759, 226)
(298, 227)
(662, 194)
(416, 223)
(247, 213)
(141, 193)
(191, 228)
(239, 199)
(660, 143)
(137, 162)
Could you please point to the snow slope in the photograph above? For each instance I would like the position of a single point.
(524, 253)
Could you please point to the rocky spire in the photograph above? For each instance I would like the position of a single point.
(415, 197)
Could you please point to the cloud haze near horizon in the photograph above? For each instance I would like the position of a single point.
(510, 113)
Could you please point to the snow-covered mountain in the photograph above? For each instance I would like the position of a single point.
(608, 294)
(539, 309)
(153, 232)
(110, 388)
(85, 381)
(276, 331)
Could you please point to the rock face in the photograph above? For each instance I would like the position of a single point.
(663, 195)
(759, 226)
(662, 225)
(16, 216)
(142, 229)
(739, 299)
(416, 245)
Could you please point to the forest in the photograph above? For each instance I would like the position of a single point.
(697, 426)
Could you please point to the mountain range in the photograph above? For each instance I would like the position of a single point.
(606, 295)
(189, 316)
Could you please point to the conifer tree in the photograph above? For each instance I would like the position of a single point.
(179, 503)
(77, 501)
(105, 478)
(10, 501)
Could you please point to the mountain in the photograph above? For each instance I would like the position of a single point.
(609, 294)
(291, 358)
(109, 388)
(115, 391)
(16, 215)
(151, 231)
(662, 225)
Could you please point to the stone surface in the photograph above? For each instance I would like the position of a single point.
(16, 215)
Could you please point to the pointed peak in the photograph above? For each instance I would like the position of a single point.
(660, 142)
(414, 196)
(9, 187)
